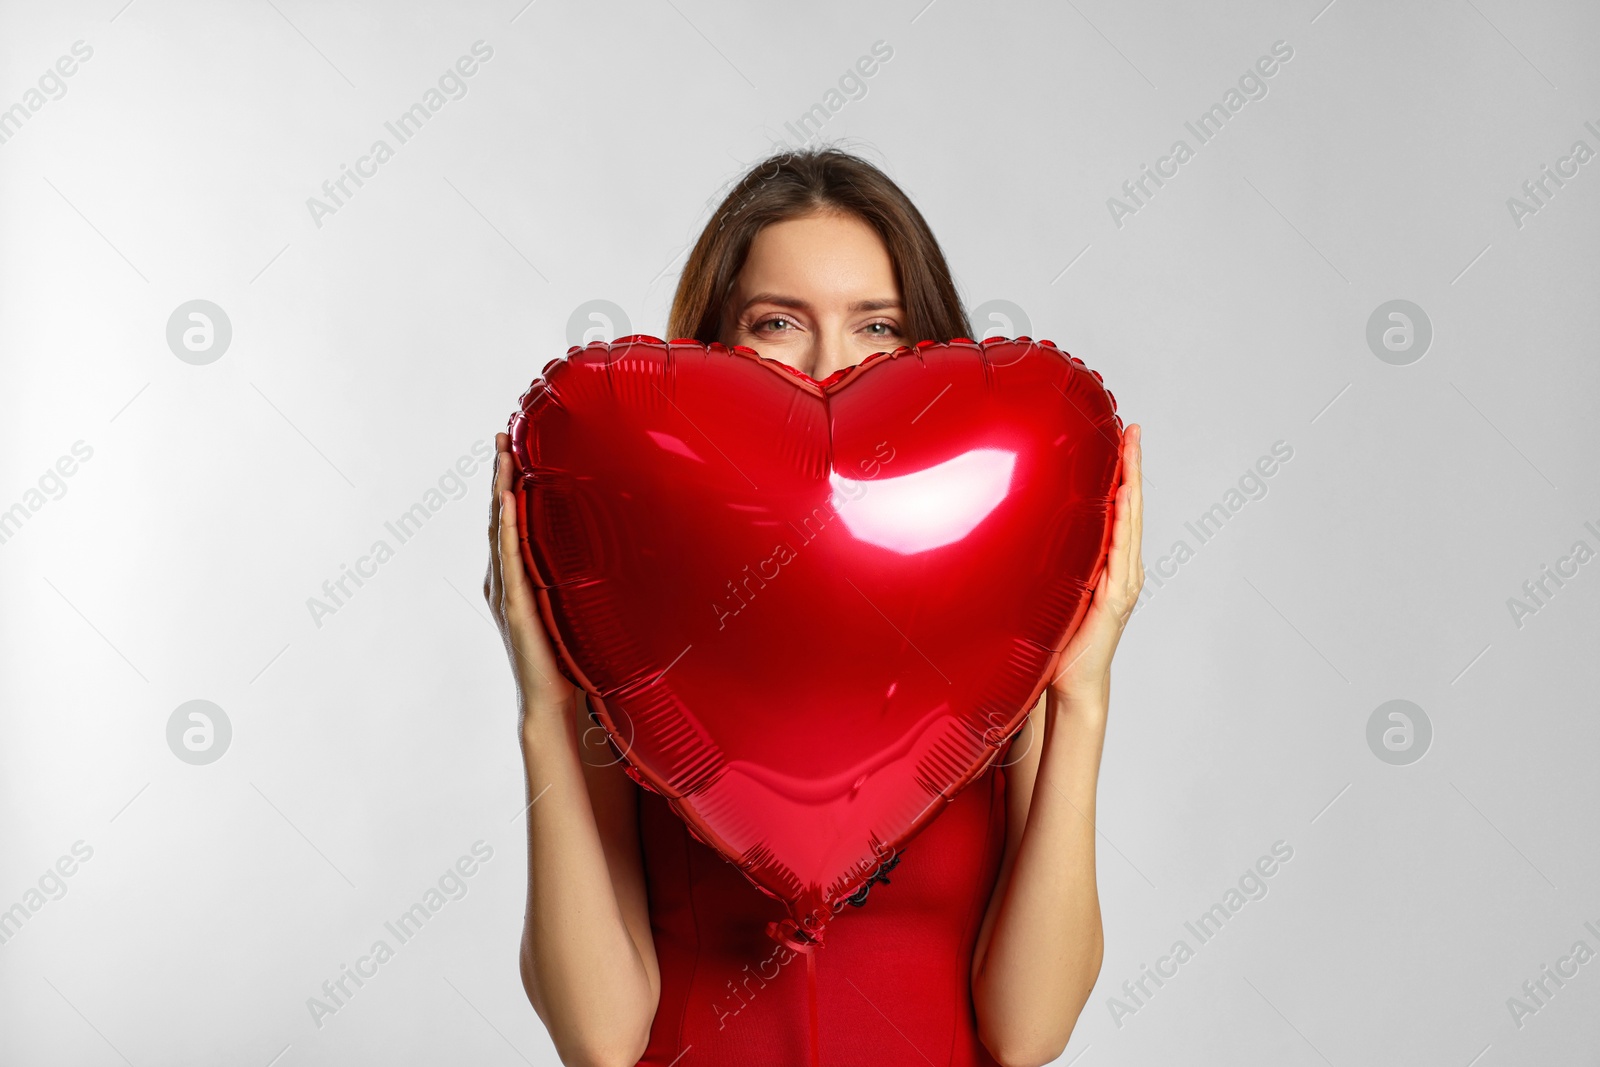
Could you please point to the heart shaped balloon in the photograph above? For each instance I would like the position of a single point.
(808, 613)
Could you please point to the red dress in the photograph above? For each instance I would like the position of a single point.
(892, 982)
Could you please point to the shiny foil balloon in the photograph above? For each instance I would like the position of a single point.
(809, 612)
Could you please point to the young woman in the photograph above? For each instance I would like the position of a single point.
(640, 944)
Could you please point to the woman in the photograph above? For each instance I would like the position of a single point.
(641, 942)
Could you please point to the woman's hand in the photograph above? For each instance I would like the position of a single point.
(587, 959)
(540, 683)
(1041, 943)
(1085, 676)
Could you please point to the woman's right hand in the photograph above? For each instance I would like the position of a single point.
(540, 684)
(588, 958)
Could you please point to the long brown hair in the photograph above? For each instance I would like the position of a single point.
(793, 184)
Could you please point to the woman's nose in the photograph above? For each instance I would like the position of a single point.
(828, 355)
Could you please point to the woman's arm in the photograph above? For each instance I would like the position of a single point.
(1040, 946)
(588, 960)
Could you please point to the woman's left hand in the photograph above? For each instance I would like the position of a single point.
(1084, 678)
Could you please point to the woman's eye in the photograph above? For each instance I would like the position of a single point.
(775, 318)
(888, 329)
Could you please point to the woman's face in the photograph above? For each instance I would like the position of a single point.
(817, 293)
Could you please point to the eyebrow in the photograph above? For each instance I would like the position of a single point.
(793, 302)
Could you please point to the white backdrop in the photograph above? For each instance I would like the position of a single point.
(172, 506)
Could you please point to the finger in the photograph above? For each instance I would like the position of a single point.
(513, 576)
(518, 590)
(494, 581)
(494, 493)
(1137, 500)
(1083, 635)
(1128, 510)
(1116, 569)
(501, 447)
(1100, 587)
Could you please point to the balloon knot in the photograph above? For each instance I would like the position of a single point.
(788, 932)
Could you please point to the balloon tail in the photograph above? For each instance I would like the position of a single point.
(811, 999)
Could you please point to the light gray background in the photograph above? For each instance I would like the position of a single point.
(369, 354)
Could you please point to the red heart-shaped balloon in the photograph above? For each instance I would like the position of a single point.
(809, 612)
